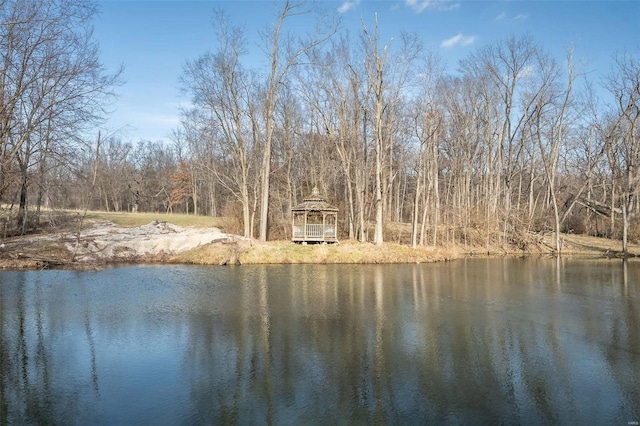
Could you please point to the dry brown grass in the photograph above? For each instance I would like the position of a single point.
(347, 252)
(39, 254)
(588, 245)
(285, 252)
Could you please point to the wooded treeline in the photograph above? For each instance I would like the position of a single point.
(53, 90)
(513, 143)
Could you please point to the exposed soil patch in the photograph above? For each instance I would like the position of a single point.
(105, 242)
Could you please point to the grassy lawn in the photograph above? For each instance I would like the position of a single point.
(131, 220)
(585, 244)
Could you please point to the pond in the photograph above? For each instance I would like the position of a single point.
(471, 341)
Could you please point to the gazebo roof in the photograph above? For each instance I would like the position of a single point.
(314, 202)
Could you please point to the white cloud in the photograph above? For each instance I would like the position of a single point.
(458, 39)
(447, 6)
(348, 5)
(502, 16)
(420, 6)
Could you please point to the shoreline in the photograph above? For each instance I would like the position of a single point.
(104, 245)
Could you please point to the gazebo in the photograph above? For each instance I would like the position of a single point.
(314, 220)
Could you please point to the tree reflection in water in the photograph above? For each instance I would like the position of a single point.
(497, 341)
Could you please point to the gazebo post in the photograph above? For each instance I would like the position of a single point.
(305, 225)
(324, 215)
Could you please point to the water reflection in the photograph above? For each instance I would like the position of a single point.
(476, 341)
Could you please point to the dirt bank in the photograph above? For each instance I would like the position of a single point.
(107, 241)
(104, 242)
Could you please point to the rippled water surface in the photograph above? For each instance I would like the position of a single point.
(467, 342)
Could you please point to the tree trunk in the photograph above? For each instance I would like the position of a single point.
(625, 225)
(22, 218)
(266, 172)
(416, 211)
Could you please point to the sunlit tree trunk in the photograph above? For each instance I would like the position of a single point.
(376, 60)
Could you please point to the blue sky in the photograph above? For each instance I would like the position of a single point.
(154, 38)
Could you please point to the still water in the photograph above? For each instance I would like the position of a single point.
(476, 341)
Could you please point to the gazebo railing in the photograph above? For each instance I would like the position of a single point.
(314, 231)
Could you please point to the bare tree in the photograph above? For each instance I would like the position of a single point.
(220, 85)
(508, 65)
(284, 52)
(550, 141)
(332, 88)
(624, 85)
(52, 85)
(427, 121)
(376, 60)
